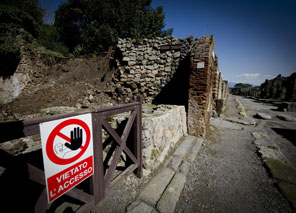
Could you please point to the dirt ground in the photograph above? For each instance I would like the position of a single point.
(79, 82)
(228, 175)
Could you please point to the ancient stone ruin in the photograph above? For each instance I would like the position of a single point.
(279, 88)
(179, 81)
(172, 71)
(282, 88)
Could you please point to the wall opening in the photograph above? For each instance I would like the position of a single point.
(176, 91)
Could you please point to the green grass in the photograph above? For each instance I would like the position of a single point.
(154, 153)
(45, 51)
(110, 118)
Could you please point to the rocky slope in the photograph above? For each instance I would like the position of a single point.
(54, 82)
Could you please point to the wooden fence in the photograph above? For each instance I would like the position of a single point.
(127, 140)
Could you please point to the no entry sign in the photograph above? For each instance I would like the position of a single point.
(67, 149)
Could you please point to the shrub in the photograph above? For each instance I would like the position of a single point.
(49, 38)
(9, 56)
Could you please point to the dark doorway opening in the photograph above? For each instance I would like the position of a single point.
(176, 92)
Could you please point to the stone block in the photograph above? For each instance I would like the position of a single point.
(170, 197)
(264, 116)
(185, 146)
(184, 168)
(139, 207)
(286, 117)
(192, 155)
(175, 163)
(167, 69)
(176, 55)
(155, 188)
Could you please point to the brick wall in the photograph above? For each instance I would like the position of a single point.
(215, 82)
(200, 86)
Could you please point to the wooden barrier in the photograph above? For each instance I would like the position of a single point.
(129, 143)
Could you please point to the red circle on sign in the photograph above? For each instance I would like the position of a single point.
(49, 144)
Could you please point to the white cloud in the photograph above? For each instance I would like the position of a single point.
(250, 78)
(268, 76)
(249, 75)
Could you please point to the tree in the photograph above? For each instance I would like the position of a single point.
(14, 15)
(29, 6)
(13, 18)
(94, 25)
(49, 38)
(242, 85)
(9, 56)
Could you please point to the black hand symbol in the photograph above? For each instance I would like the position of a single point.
(76, 139)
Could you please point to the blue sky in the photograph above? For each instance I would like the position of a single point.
(254, 39)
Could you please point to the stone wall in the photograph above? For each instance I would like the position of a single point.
(162, 127)
(281, 88)
(144, 68)
(185, 72)
(11, 87)
(225, 90)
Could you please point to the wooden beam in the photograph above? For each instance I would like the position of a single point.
(171, 47)
(118, 140)
(120, 177)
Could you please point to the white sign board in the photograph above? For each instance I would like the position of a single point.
(67, 149)
(200, 65)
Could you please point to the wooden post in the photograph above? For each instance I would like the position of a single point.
(138, 137)
(41, 204)
(97, 180)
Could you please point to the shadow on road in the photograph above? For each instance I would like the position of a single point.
(289, 134)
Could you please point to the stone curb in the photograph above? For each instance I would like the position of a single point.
(241, 108)
(162, 192)
(278, 166)
(170, 197)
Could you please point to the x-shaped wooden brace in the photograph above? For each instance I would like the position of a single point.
(122, 145)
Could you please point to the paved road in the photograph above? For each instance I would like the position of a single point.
(282, 133)
(228, 175)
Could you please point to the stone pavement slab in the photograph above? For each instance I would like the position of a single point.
(184, 147)
(262, 115)
(192, 155)
(184, 168)
(163, 190)
(169, 199)
(140, 207)
(153, 191)
(286, 117)
(175, 163)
